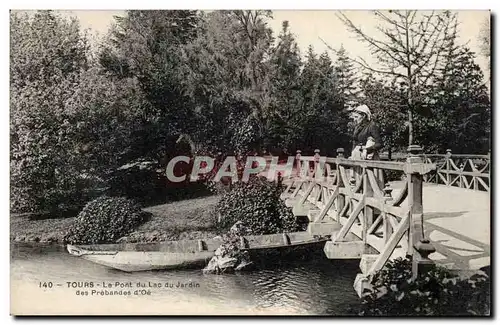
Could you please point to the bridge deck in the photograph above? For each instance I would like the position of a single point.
(457, 221)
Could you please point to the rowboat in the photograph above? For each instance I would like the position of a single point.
(133, 257)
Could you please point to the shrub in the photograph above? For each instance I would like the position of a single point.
(104, 220)
(439, 292)
(258, 206)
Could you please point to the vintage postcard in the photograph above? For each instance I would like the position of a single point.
(250, 162)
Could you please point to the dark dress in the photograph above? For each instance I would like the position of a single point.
(360, 136)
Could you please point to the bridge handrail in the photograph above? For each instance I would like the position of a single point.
(470, 156)
(358, 195)
(470, 171)
(363, 205)
(461, 170)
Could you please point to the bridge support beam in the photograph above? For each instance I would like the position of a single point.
(366, 262)
(290, 202)
(362, 285)
(302, 210)
(346, 250)
(323, 228)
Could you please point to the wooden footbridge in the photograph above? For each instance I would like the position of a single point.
(433, 209)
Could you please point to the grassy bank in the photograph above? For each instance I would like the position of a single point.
(187, 219)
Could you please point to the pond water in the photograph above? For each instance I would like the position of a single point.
(47, 280)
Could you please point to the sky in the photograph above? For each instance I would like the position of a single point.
(310, 26)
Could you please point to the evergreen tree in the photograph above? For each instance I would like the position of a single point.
(459, 108)
(387, 103)
(225, 73)
(324, 119)
(146, 44)
(346, 79)
(283, 87)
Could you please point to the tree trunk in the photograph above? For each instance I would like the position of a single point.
(410, 83)
(410, 122)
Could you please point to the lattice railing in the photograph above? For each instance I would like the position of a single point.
(458, 170)
(352, 194)
(464, 171)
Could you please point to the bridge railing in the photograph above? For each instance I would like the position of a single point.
(458, 170)
(351, 194)
(464, 171)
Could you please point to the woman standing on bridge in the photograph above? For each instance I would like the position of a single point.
(366, 141)
(366, 136)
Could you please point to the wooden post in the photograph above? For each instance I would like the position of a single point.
(368, 211)
(386, 222)
(419, 247)
(340, 152)
(317, 168)
(474, 178)
(297, 162)
(340, 198)
(448, 167)
(489, 168)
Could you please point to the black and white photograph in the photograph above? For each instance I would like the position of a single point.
(243, 162)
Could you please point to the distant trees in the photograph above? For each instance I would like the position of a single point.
(325, 121)
(346, 78)
(485, 39)
(283, 114)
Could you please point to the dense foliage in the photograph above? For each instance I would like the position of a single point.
(257, 206)
(70, 124)
(105, 220)
(440, 292)
(169, 82)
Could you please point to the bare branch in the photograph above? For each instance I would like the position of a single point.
(378, 45)
(423, 29)
(328, 45)
(413, 15)
(397, 51)
(365, 65)
(435, 50)
(389, 20)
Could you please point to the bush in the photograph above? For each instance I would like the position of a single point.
(258, 206)
(439, 293)
(105, 220)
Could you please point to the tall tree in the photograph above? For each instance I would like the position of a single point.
(283, 86)
(346, 79)
(225, 76)
(410, 49)
(387, 103)
(145, 44)
(459, 110)
(323, 119)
